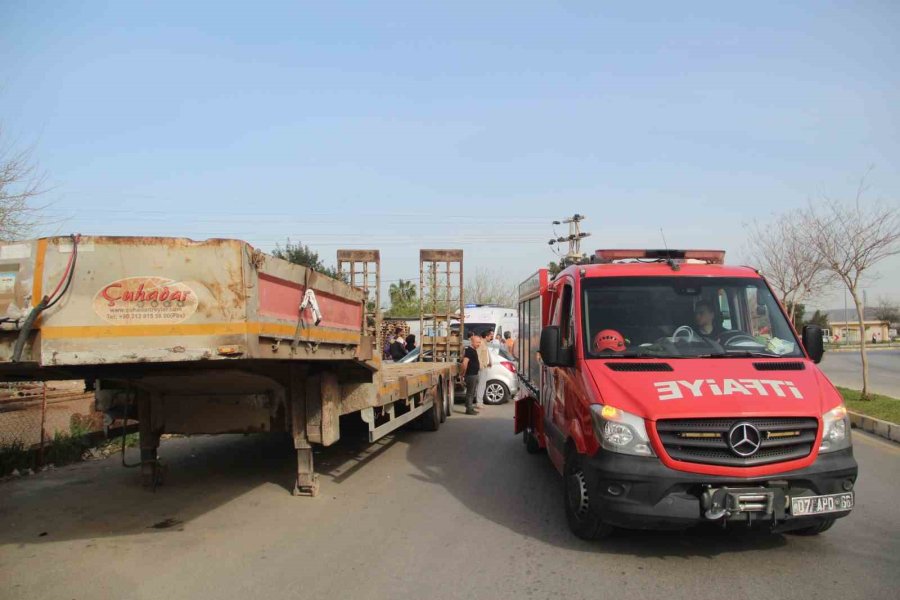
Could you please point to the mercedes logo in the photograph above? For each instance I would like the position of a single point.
(744, 439)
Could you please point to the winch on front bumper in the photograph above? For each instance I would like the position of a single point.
(642, 493)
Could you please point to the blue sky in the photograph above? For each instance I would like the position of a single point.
(402, 125)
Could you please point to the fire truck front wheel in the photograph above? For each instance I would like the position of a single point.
(821, 526)
(582, 516)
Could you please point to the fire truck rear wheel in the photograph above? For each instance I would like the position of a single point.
(531, 443)
(820, 527)
(580, 513)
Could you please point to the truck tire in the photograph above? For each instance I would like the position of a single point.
(449, 399)
(531, 443)
(580, 514)
(439, 400)
(821, 526)
(495, 392)
(431, 420)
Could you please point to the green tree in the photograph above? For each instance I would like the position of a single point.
(404, 300)
(301, 254)
(819, 318)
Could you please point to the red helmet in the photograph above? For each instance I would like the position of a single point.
(609, 339)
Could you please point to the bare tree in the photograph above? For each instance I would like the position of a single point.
(887, 310)
(851, 238)
(490, 287)
(20, 184)
(780, 250)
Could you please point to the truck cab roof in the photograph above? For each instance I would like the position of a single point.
(658, 269)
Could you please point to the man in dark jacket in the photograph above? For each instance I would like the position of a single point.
(398, 349)
(469, 370)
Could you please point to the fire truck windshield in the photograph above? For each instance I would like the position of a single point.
(675, 317)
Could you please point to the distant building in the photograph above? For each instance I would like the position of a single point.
(844, 326)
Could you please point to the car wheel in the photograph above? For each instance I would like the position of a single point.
(580, 513)
(496, 392)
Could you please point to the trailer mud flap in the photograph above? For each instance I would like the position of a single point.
(523, 414)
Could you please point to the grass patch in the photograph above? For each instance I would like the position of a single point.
(15, 456)
(63, 449)
(111, 446)
(877, 406)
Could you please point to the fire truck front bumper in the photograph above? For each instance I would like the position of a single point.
(642, 493)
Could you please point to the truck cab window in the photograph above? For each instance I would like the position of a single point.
(567, 318)
(679, 316)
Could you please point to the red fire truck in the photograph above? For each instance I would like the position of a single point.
(670, 389)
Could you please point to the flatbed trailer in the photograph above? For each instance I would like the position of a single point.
(211, 337)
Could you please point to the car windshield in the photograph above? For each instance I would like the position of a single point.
(504, 354)
(674, 317)
(476, 328)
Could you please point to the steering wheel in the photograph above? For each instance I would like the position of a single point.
(741, 337)
(684, 329)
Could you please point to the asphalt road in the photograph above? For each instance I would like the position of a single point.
(461, 513)
(845, 369)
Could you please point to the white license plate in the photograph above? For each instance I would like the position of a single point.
(818, 505)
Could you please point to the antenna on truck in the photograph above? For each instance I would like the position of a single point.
(669, 260)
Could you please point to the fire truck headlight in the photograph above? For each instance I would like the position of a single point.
(620, 431)
(835, 430)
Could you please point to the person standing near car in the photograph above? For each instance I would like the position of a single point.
(509, 342)
(484, 359)
(398, 347)
(471, 369)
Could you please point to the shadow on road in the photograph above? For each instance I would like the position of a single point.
(102, 499)
(477, 460)
(493, 475)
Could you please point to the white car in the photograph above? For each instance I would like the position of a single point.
(503, 379)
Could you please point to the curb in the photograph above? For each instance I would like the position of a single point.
(885, 429)
(856, 348)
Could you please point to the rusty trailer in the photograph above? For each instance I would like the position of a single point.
(211, 337)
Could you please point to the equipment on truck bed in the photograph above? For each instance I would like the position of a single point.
(211, 337)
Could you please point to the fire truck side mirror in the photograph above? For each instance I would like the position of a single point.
(812, 341)
(550, 346)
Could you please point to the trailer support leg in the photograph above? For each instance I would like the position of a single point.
(307, 483)
(151, 473)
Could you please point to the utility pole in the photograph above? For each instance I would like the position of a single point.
(574, 255)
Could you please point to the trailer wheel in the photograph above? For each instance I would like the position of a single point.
(821, 526)
(449, 398)
(431, 420)
(580, 513)
(531, 444)
(439, 400)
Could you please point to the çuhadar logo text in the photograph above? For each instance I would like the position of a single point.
(145, 300)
